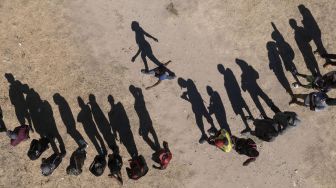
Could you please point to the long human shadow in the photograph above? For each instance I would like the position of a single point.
(249, 83)
(18, 100)
(234, 93)
(102, 124)
(216, 107)
(85, 117)
(145, 121)
(302, 39)
(285, 51)
(275, 65)
(312, 28)
(144, 47)
(43, 119)
(68, 118)
(2, 123)
(197, 104)
(121, 126)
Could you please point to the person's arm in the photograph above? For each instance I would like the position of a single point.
(312, 102)
(157, 83)
(136, 55)
(185, 96)
(150, 36)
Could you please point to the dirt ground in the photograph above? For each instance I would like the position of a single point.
(83, 47)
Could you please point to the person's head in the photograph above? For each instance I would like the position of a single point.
(221, 142)
(81, 102)
(92, 98)
(302, 9)
(110, 99)
(293, 23)
(271, 46)
(135, 26)
(209, 90)
(221, 68)
(45, 169)
(10, 78)
(25, 88)
(57, 98)
(132, 89)
(182, 82)
(241, 63)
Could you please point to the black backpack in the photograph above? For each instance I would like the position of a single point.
(138, 168)
(286, 119)
(98, 165)
(37, 147)
(266, 129)
(76, 162)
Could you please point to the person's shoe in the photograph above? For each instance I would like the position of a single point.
(292, 102)
(212, 131)
(203, 139)
(295, 85)
(145, 71)
(245, 132)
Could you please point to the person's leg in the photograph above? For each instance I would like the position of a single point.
(143, 56)
(154, 59)
(331, 101)
(199, 122)
(298, 96)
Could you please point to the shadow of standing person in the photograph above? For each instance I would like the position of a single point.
(197, 104)
(121, 126)
(2, 123)
(18, 100)
(302, 39)
(85, 117)
(102, 124)
(144, 47)
(43, 119)
(234, 93)
(69, 120)
(249, 83)
(275, 65)
(312, 28)
(145, 121)
(286, 52)
(216, 107)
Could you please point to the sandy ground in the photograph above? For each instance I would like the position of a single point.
(80, 47)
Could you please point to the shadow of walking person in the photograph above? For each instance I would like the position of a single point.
(302, 39)
(285, 51)
(197, 104)
(249, 83)
(234, 93)
(69, 120)
(102, 124)
(145, 121)
(2, 123)
(144, 47)
(43, 120)
(121, 126)
(18, 100)
(216, 107)
(85, 117)
(275, 65)
(311, 27)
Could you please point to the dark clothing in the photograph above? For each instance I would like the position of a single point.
(138, 168)
(19, 134)
(246, 147)
(266, 129)
(115, 163)
(37, 147)
(98, 165)
(76, 162)
(50, 164)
